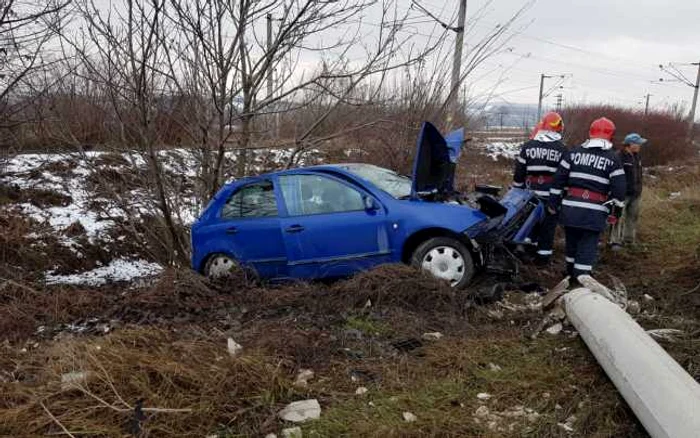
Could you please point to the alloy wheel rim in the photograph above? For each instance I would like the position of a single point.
(445, 263)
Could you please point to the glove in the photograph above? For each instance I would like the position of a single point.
(612, 219)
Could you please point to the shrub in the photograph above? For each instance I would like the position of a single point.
(666, 131)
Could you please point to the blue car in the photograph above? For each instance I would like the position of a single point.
(334, 220)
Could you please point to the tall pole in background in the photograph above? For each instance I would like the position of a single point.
(539, 101)
(646, 105)
(457, 63)
(270, 73)
(560, 97)
(691, 116)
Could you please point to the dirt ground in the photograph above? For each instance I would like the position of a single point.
(151, 359)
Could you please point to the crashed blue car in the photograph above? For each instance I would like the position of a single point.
(334, 220)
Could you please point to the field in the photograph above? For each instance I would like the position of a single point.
(101, 337)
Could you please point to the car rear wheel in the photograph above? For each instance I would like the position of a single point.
(447, 259)
(219, 265)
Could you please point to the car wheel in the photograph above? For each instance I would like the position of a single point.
(447, 259)
(219, 265)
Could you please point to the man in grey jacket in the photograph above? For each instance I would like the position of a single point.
(625, 231)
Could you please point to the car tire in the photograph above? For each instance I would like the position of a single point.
(447, 259)
(219, 265)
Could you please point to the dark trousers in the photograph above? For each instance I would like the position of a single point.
(581, 250)
(545, 235)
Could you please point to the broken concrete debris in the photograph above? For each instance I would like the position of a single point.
(300, 411)
(483, 396)
(408, 417)
(432, 336)
(555, 329)
(495, 368)
(303, 377)
(361, 390)
(233, 347)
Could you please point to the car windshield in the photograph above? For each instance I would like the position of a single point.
(391, 182)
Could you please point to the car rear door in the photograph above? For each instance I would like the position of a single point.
(248, 228)
(331, 228)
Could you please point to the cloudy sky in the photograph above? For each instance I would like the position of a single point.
(608, 50)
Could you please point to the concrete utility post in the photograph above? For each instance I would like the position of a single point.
(269, 49)
(691, 116)
(646, 105)
(539, 101)
(457, 63)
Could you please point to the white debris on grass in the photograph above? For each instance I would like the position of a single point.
(303, 377)
(233, 347)
(292, 432)
(300, 411)
(483, 396)
(432, 336)
(555, 329)
(493, 367)
(409, 417)
(118, 270)
(74, 379)
(361, 390)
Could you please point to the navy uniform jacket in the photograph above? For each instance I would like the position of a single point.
(633, 170)
(589, 180)
(537, 163)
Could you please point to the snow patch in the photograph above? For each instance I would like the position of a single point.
(117, 270)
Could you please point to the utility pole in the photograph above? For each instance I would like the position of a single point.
(539, 101)
(270, 73)
(457, 63)
(691, 116)
(559, 101)
(646, 105)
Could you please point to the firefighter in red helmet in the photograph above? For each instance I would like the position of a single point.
(594, 180)
(534, 169)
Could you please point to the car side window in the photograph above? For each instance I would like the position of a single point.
(253, 200)
(315, 194)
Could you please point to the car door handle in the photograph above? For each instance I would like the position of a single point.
(231, 230)
(294, 229)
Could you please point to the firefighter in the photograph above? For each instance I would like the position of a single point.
(594, 180)
(625, 231)
(534, 169)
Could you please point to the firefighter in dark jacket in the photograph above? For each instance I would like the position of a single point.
(589, 187)
(534, 169)
(625, 231)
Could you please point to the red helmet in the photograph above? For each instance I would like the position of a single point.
(602, 128)
(552, 121)
(534, 131)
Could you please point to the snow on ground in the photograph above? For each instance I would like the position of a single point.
(117, 270)
(496, 150)
(69, 174)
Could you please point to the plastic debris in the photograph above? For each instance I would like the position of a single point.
(300, 411)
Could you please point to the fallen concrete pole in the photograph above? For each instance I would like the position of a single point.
(663, 396)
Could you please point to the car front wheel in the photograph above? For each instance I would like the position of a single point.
(447, 259)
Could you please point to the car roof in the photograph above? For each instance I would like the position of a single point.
(335, 167)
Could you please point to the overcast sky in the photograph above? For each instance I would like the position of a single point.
(610, 50)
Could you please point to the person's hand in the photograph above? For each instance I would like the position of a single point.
(612, 219)
(551, 210)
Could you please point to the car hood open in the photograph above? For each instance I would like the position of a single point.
(436, 157)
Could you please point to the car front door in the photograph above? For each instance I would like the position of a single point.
(248, 228)
(331, 229)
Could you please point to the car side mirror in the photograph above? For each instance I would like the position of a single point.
(370, 203)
